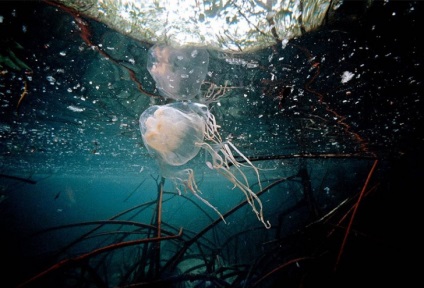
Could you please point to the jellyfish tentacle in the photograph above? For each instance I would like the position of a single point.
(226, 151)
(212, 134)
(210, 205)
(249, 163)
(190, 183)
(211, 129)
(224, 169)
(223, 156)
(251, 197)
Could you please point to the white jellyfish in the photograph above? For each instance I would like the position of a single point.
(175, 133)
(178, 72)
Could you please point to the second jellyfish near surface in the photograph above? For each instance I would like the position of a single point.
(175, 133)
(178, 72)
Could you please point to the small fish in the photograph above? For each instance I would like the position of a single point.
(57, 195)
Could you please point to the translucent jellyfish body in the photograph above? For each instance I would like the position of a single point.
(170, 132)
(178, 72)
(175, 133)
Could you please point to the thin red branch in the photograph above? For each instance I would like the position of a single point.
(364, 188)
(296, 260)
(80, 258)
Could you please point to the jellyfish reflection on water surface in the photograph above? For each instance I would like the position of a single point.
(178, 72)
(175, 133)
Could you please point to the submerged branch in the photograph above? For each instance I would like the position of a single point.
(18, 178)
(70, 261)
(174, 260)
(310, 155)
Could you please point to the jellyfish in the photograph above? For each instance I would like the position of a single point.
(178, 72)
(175, 133)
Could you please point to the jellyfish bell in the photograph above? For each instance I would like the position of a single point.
(178, 71)
(172, 131)
(175, 133)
